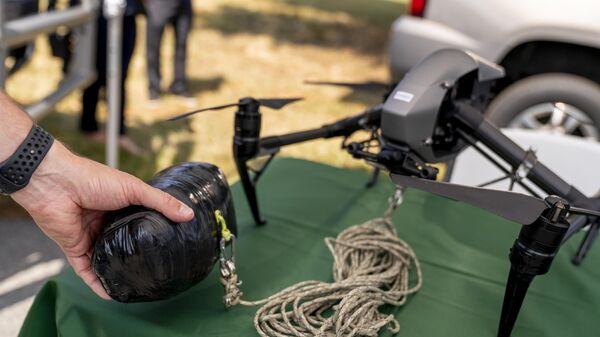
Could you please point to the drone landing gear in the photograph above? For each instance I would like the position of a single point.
(250, 191)
(531, 255)
(249, 177)
(374, 176)
(586, 244)
(516, 289)
(544, 229)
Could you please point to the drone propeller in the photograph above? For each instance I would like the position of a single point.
(277, 103)
(367, 86)
(513, 206)
(273, 103)
(517, 207)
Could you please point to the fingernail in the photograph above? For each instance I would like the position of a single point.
(185, 211)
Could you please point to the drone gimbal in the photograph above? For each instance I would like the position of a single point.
(429, 117)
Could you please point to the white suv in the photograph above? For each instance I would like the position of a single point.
(550, 50)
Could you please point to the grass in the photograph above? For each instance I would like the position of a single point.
(237, 48)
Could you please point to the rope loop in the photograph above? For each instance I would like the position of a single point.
(371, 268)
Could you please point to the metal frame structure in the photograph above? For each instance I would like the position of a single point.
(81, 72)
(82, 20)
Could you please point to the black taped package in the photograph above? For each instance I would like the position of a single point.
(142, 256)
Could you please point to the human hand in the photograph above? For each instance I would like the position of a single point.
(68, 197)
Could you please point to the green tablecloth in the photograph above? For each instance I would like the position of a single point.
(463, 252)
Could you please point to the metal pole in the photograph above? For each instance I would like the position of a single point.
(19, 31)
(113, 12)
(3, 48)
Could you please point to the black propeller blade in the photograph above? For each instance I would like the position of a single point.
(277, 103)
(273, 103)
(187, 114)
(516, 207)
(367, 86)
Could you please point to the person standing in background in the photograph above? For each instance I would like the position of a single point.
(159, 13)
(61, 42)
(89, 124)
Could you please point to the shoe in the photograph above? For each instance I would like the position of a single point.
(154, 96)
(153, 101)
(95, 136)
(130, 146)
(182, 92)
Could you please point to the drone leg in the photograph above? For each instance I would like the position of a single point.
(516, 289)
(587, 243)
(374, 176)
(532, 255)
(250, 191)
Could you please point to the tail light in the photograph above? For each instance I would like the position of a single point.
(417, 7)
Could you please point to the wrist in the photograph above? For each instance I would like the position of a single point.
(51, 177)
(15, 136)
(18, 169)
(55, 163)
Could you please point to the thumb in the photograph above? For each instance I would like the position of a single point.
(148, 196)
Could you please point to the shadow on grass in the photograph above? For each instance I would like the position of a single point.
(65, 128)
(200, 85)
(368, 98)
(378, 12)
(358, 36)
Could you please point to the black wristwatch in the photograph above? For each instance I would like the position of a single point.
(16, 171)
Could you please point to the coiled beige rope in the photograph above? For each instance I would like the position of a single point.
(371, 268)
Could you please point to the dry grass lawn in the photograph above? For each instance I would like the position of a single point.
(261, 48)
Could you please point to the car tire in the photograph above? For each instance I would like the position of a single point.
(576, 91)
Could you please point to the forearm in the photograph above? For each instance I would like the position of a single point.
(14, 126)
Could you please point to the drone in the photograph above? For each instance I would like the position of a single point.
(430, 116)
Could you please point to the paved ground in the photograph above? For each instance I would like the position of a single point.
(27, 260)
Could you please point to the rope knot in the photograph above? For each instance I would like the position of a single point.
(232, 292)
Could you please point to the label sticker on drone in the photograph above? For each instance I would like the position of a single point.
(403, 96)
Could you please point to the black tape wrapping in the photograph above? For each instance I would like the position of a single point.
(142, 256)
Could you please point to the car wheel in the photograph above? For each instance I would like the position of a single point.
(556, 102)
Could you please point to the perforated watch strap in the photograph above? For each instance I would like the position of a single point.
(16, 171)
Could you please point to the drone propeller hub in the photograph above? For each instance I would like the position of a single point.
(558, 208)
(248, 104)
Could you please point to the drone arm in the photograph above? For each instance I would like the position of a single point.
(342, 128)
(513, 154)
(247, 144)
(274, 142)
(246, 149)
(474, 123)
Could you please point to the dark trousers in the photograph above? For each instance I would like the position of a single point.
(160, 13)
(91, 94)
(62, 44)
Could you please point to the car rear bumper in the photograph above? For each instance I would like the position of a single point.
(412, 38)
